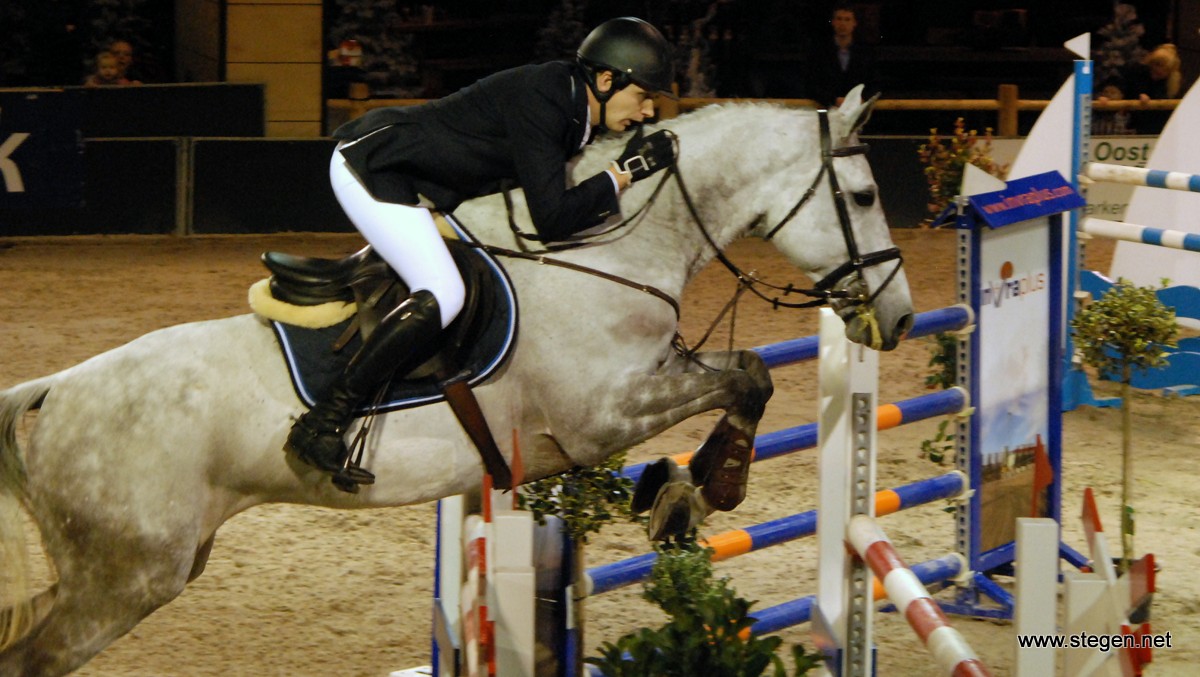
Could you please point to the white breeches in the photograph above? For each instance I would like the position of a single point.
(404, 236)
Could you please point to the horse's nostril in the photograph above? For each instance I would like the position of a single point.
(904, 325)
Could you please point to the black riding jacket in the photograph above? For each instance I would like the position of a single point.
(520, 125)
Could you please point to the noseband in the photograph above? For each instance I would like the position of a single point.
(844, 285)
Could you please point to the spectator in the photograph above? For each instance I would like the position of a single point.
(123, 51)
(1156, 76)
(836, 66)
(1114, 121)
(107, 73)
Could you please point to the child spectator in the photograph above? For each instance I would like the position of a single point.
(1114, 121)
(123, 51)
(108, 72)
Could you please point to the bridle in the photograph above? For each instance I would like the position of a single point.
(844, 285)
(841, 287)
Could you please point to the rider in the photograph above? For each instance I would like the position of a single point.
(393, 165)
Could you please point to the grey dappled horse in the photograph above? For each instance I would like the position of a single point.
(138, 455)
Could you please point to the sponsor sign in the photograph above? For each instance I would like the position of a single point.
(1026, 199)
(41, 149)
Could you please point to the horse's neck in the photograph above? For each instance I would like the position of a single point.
(672, 242)
(664, 247)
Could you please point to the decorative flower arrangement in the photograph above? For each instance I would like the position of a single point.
(945, 158)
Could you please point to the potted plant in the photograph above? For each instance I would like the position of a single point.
(1123, 331)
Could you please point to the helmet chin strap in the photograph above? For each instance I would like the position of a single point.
(602, 98)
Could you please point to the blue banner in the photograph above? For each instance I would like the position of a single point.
(41, 149)
(1026, 199)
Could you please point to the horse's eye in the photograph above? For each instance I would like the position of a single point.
(864, 198)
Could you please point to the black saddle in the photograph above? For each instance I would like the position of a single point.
(477, 342)
(305, 281)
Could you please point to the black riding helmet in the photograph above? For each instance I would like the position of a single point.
(633, 50)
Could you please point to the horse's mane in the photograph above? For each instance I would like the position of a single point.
(701, 129)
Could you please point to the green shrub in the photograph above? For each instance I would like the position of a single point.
(707, 632)
(585, 498)
(1123, 331)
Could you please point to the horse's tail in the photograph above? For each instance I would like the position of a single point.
(18, 612)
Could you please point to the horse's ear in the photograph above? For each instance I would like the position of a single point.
(853, 98)
(855, 112)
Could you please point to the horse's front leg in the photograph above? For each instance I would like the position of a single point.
(721, 466)
(737, 382)
(716, 476)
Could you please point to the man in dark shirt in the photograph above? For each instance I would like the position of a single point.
(836, 66)
(520, 126)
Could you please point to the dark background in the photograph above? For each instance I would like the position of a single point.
(756, 46)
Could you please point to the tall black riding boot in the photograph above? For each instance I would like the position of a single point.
(403, 340)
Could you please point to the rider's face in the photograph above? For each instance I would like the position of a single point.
(628, 106)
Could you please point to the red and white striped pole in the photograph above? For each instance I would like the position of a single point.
(947, 645)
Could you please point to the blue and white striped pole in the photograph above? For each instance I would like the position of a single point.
(1131, 232)
(1138, 176)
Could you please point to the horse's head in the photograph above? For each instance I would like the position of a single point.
(820, 207)
(795, 177)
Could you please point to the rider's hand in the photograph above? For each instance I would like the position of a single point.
(645, 155)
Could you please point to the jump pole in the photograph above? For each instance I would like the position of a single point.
(951, 318)
(737, 542)
(798, 438)
(949, 648)
(842, 620)
(775, 618)
(1140, 176)
(1129, 232)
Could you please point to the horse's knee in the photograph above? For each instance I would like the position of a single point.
(752, 388)
(754, 365)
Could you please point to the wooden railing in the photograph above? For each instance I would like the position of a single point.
(1007, 105)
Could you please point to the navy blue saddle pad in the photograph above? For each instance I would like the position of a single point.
(313, 367)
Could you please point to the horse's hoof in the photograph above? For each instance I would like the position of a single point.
(650, 484)
(677, 510)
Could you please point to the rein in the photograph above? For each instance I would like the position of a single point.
(537, 257)
(841, 286)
